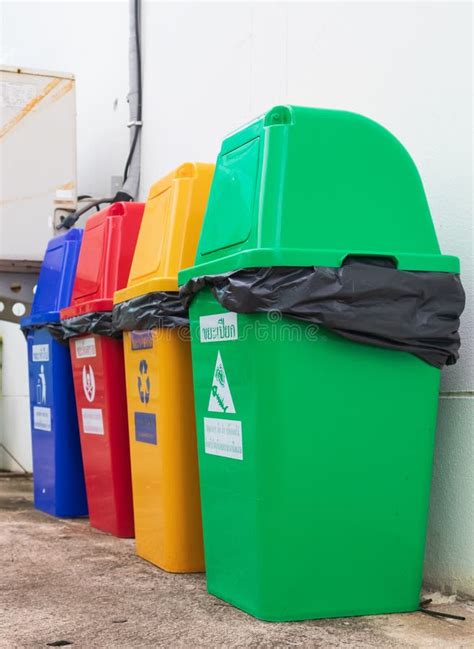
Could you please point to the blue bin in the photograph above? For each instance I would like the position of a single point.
(58, 475)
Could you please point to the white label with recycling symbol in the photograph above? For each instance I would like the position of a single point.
(220, 399)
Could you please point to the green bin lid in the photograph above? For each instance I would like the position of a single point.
(310, 187)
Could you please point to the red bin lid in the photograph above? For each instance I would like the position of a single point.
(105, 258)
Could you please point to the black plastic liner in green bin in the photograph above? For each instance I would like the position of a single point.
(367, 301)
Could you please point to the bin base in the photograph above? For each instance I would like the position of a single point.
(177, 568)
(125, 531)
(315, 467)
(163, 450)
(61, 513)
(315, 614)
(99, 384)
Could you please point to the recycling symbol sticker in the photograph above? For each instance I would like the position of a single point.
(220, 399)
(144, 383)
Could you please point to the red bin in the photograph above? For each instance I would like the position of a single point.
(98, 367)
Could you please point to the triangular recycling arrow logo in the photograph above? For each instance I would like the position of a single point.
(220, 399)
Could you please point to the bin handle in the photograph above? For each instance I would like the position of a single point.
(383, 260)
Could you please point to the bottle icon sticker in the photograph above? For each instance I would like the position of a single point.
(41, 387)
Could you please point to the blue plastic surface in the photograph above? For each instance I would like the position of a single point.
(56, 278)
(58, 474)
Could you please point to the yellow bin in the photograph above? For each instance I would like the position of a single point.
(168, 528)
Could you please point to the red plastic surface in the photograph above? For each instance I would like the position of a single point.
(98, 367)
(99, 384)
(106, 255)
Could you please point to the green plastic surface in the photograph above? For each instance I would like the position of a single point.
(315, 452)
(308, 187)
(325, 515)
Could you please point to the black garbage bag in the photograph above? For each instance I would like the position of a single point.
(55, 329)
(99, 323)
(365, 300)
(160, 309)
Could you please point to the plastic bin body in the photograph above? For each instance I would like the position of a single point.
(102, 411)
(58, 476)
(315, 461)
(98, 371)
(168, 527)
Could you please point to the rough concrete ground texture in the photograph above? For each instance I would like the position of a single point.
(60, 580)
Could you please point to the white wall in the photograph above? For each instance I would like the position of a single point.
(210, 67)
(91, 41)
(14, 401)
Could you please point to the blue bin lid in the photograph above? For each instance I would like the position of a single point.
(56, 278)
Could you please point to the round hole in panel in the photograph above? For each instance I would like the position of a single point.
(18, 309)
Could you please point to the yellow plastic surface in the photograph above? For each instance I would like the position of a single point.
(165, 479)
(170, 230)
(167, 508)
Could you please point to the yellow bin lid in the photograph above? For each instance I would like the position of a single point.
(170, 230)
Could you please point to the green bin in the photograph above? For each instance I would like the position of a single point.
(315, 452)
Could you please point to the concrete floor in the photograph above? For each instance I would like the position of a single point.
(62, 581)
